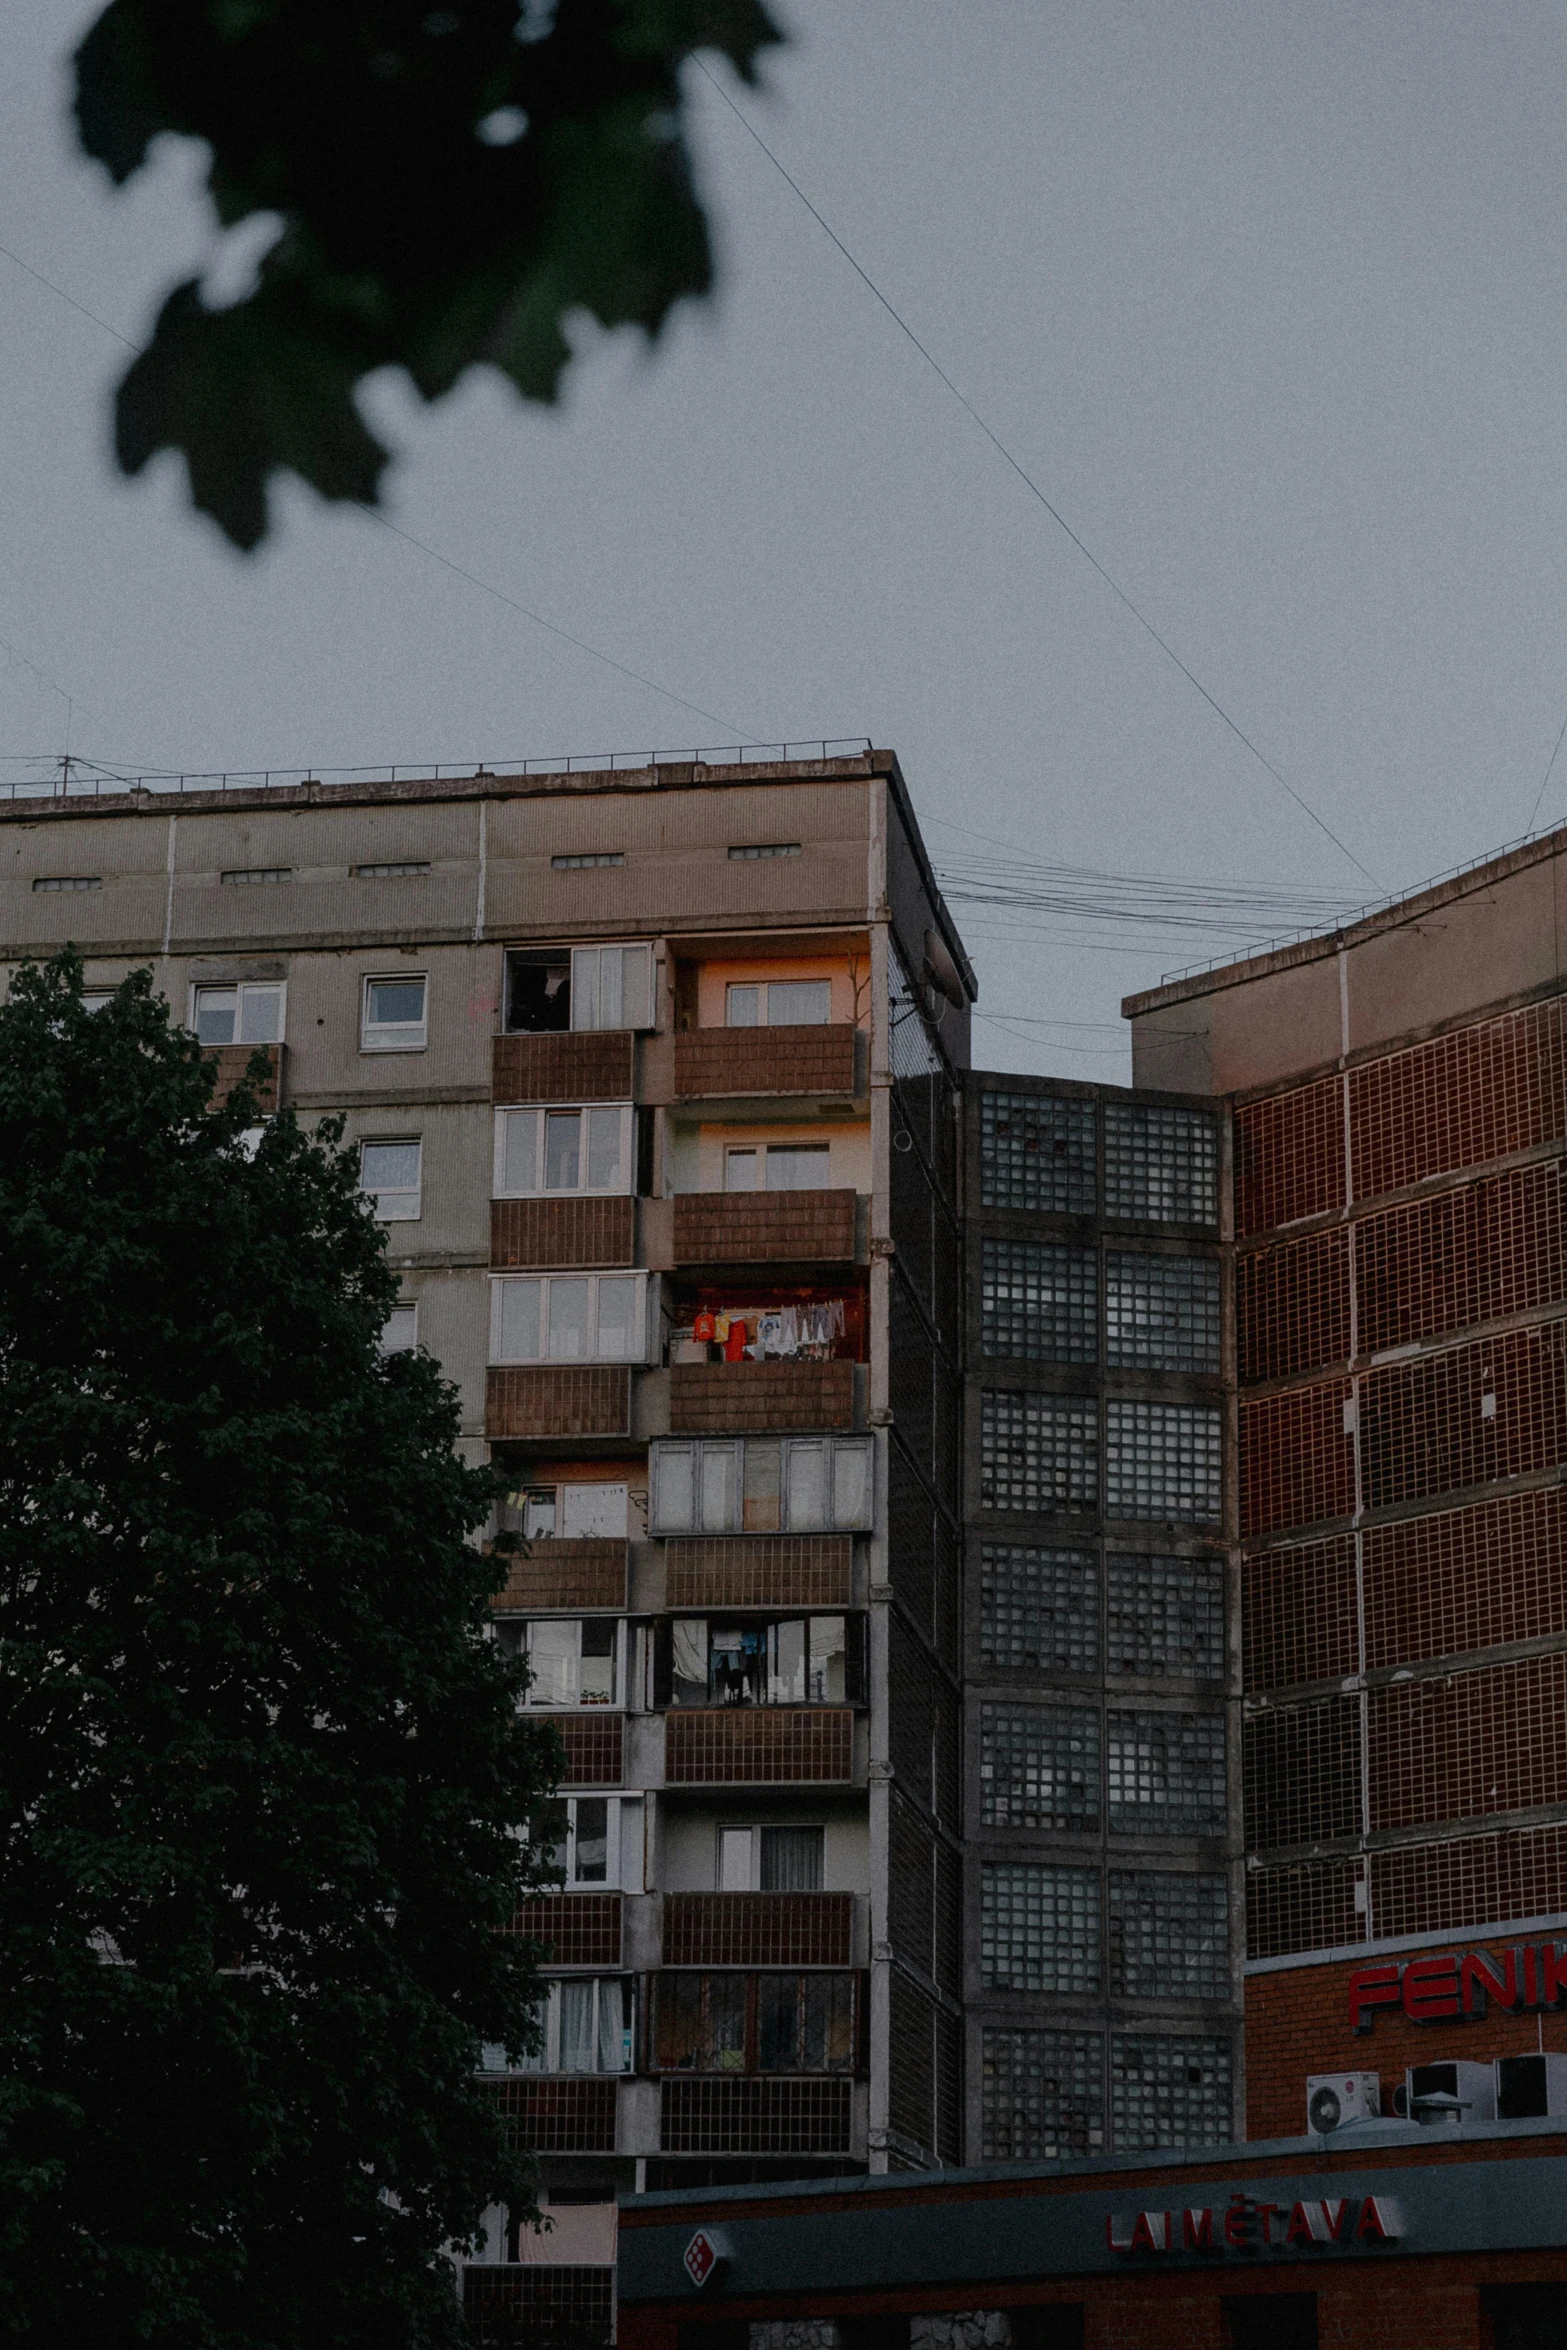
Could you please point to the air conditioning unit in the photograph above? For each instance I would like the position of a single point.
(1335, 2099)
(1457, 2092)
(1530, 2085)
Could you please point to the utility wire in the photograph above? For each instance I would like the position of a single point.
(1033, 487)
(1546, 777)
(434, 553)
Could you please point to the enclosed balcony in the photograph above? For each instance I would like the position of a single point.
(557, 1399)
(722, 1398)
(740, 1063)
(565, 1574)
(757, 1227)
(760, 1746)
(758, 1929)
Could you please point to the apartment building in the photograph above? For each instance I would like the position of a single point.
(1105, 1917)
(657, 1077)
(1400, 1109)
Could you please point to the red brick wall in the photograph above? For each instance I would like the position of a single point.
(716, 1061)
(713, 1398)
(1297, 2022)
(591, 1065)
(759, 1570)
(759, 1745)
(760, 1227)
(563, 1231)
(556, 1400)
(561, 1574)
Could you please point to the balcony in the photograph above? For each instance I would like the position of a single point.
(547, 1232)
(760, 1398)
(568, 1065)
(759, 1746)
(504, 2304)
(765, 1227)
(233, 1060)
(714, 1064)
(558, 1399)
(559, 2117)
(758, 1929)
(759, 1570)
(577, 1929)
(594, 1743)
(565, 1574)
(794, 2116)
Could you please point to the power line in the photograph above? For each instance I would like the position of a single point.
(433, 553)
(1033, 487)
(1546, 777)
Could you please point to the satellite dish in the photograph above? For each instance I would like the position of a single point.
(1325, 2112)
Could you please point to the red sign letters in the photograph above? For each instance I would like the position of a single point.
(1351, 2223)
(1461, 1983)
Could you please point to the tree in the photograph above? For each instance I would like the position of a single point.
(260, 1773)
(452, 179)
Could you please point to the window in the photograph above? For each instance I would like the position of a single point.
(1161, 1313)
(779, 1003)
(803, 1660)
(568, 1513)
(1038, 1452)
(1042, 2096)
(564, 1152)
(1162, 1462)
(784, 1166)
(394, 1015)
(762, 1485)
(1169, 1936)
(1038, 1609)
(1161, 1165)
(1036, 1151)
(569, 1318)
(404, 869)
(612, 987)
(1166, 2091)
(599, 857)
(771, 1860)
(389, 1175)
(94, 998)
(771, 848)
(1165, 1615)
(1038, 1927)
(573, 1661)
(1039, 1767)
(773, 2023)
(538, 990)
(255, 876)
(1166, 1774)
(585, 2026)
(248, 1013)
(400, 1330)
(55, 883)
(1039, 1304)
(585, 1836)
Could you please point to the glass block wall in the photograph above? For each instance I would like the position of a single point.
(1103, 1943)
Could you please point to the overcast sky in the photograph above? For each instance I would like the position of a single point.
(1270, 302)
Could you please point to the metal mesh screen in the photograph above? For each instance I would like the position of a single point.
(1306, 1907)
(1038, 1927)
(1161, 1313)
(1168, 1936)
(1292, 1306)
(1161, 1165)
(1038, 1303)
(1477, 1094)
(1166, 1773)
(1297, 1459)
(1162, 1462)
(1164, 1615)
(1041, 2096)
(1036, 1151)
(1298, 1614)
(1466, 1579)
(1469, 1415)
(1169, 2091)
(1037, 1452)
(1464, 1744)
(1477, 1254)
(1289, 1157)
(1300, 1767)
(1038, 1609)
(1471, 1881)
(1038, 1766)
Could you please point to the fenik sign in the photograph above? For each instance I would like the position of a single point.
(1461, 1983)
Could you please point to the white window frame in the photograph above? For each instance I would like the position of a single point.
(492, 2056)
(534, 1702)
(763, 989)
(583, 1189)
(239, 989)
(393, 1036)
(410, 1307)
(617, 1878)
(663, 1448)
(402, 1214)
(580, 987)
(753, 1829)
(642, 1316)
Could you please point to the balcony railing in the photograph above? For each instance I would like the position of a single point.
(563, 1231)
(559, 2117)
(764, 1227)
(233, 1060)
(504, 2304)
(711, 1063)
(767, 1398)
(595, 1746)
(759, 1570)
(562, 1573)
(758, 1929)
(557, 1399)
(570, 1065)
(792, 2116)
(759, 1746)
(578, 1929)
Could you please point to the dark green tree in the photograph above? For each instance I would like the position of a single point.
(453, 178)
(260, 1771)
